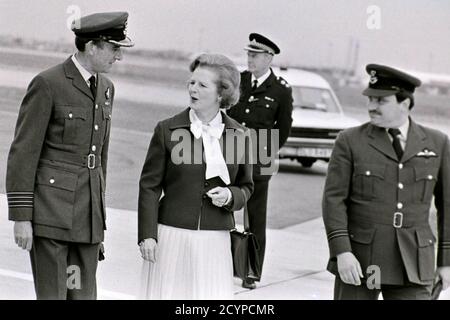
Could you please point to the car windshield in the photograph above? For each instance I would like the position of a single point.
(314, 99)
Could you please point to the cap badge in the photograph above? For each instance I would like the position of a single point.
(125, 29)
(373, 78)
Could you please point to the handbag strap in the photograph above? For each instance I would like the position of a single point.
(246, 222)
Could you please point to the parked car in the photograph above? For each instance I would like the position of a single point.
(317, 117)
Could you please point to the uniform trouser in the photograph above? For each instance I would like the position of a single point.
(408, 291)
(64, 270)
(257, 214)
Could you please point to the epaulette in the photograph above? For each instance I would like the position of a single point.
(283, 82)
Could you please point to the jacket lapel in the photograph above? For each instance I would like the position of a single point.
(379, 139)
(229, 124)
(415, 142)
(77, 80)
(181, 120)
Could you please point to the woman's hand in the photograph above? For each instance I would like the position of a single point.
(148, 249)
(219, 196)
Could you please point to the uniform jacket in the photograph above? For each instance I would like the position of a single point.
(48, 180)
(185, 204)
(268, 107)
(367, 187)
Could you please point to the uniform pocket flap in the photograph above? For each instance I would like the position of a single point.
(364, 236)
(425, 237)
(370, 170)
(69, 112)
(57, 178)
(107, 113)
(423, 173)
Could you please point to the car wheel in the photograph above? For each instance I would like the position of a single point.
(307, 163)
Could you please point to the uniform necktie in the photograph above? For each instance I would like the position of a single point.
(396, 142)
(255, 84)
(92, 86)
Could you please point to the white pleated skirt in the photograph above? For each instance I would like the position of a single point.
(190, 265)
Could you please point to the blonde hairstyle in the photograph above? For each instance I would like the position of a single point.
(228, 76)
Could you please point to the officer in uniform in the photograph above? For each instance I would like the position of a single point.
(265, 105)
(381, 179)
(57, 162)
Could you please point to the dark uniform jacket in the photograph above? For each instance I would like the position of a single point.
(268, 107)
(185, 204)
(378, 207)
(61, 129)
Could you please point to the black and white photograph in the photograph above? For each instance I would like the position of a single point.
(249, 151)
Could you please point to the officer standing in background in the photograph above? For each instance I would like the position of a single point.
(381, 180)
(57, 162)
(265, 104)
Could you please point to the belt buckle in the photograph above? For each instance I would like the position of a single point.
(91, 161)
(398, 220)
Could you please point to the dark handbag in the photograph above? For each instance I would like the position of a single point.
(245, 251)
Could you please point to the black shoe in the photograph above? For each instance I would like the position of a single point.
(249, 284)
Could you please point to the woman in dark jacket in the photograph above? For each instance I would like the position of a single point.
(200, 160)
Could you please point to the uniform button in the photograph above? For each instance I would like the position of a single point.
(430, 241)
(430, 177)
(243, 123)
(96, 106)
(367, 173)
(70, 115)
(400, 165)
(352, 236)
(206, 184)
(399, 205)
(93, 148)
(265, 148)
(205, 196)
(400, 185)
(52, 181)
(96, 127)
(267, 106)
(247, 110)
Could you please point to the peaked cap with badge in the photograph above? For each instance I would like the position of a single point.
(385, 81)
(107, 26)
(259, 43)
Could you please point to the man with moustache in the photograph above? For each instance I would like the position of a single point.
(56, 170)
(381, 180)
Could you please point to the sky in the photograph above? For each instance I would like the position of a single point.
(410, 34)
